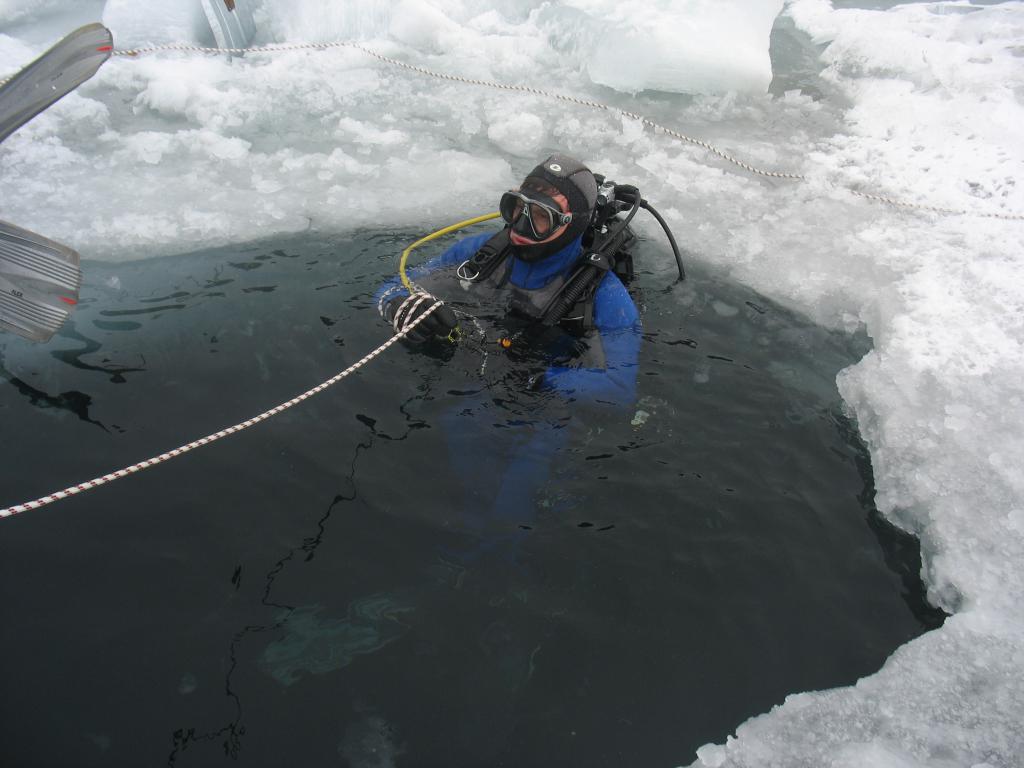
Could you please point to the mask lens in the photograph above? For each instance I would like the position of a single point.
(510, 207)
(541, 218)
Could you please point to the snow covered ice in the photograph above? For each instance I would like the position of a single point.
(922, 102)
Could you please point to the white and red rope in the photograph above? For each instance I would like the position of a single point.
(75, 489)
(96, 482)
(707, 146)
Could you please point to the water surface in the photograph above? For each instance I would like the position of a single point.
(313, 591)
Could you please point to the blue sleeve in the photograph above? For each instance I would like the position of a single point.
(456, 254)
(619, 334)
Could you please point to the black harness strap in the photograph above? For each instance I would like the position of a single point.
(491, 255)
(573, 303)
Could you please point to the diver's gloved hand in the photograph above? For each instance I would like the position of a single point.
(402, 311)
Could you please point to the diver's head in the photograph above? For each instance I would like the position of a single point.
(551, 208)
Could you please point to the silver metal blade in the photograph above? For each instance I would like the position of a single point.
(39, 283)
(53, 75)
(231, 21)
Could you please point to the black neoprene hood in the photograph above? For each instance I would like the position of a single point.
(574, 180)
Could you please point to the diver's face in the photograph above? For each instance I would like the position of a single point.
(563, 205)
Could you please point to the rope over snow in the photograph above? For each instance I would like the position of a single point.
(647, 123)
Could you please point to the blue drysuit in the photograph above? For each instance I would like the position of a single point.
(516, 443)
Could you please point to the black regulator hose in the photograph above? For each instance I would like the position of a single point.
(573, 292)
(581, 281)
(668, 233)
(584, 277)
(639, 202)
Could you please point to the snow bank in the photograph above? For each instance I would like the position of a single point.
(922, 102)
(169, 21)
(19, 10)
(935, 109)
(176, 151)
(683, 46)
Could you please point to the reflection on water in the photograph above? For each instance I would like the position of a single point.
(316, 645)
(337, 585)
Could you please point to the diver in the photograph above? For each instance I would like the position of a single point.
(543, 302)
(551, 287)
(561, 340)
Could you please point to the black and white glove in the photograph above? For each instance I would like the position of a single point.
(401, 312)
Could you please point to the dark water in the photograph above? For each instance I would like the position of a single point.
(311, 591)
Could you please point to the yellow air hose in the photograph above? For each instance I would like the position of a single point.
(434, 236)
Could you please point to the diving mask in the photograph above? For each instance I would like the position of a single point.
(534, 217)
